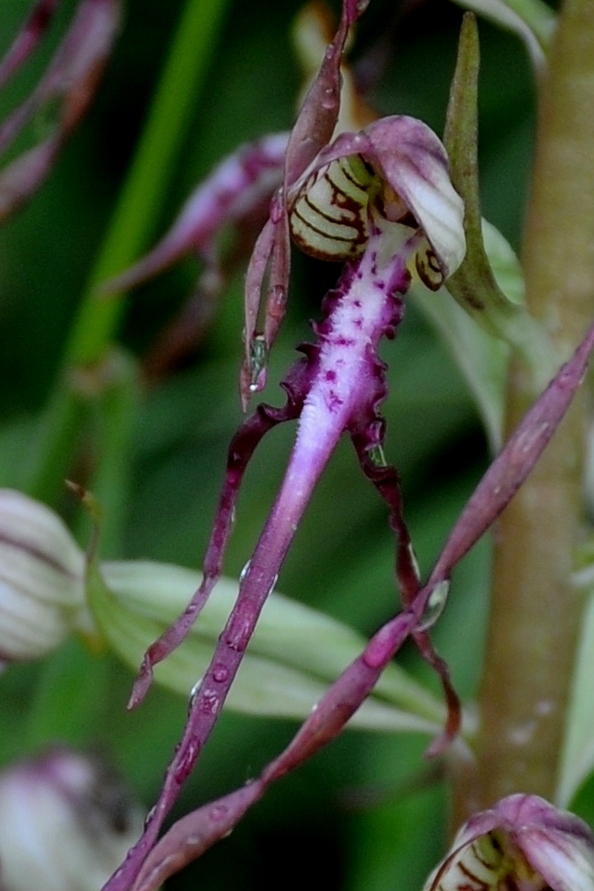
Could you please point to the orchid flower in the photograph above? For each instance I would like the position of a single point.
(524, 843)
(380, 200)
(67, 819)
(390, 211)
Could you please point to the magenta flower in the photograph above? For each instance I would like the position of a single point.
(382, 200)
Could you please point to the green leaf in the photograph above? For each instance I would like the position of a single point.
(295, 653)
(482, 359)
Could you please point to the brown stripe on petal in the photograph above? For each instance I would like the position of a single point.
(479, 866)
(37, 554)
(329, 219)
(428, 268)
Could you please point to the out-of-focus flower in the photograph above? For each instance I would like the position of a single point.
(62, 94)
(522, 843)
(41, 579)
(67, 820)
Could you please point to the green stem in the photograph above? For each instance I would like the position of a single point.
(98, 318)
(535, 613)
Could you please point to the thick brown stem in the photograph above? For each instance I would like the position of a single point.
(534, 613)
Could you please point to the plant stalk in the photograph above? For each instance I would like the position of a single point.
(535, 612)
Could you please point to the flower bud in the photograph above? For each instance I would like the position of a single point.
(41, 578)
(522, 843)
(67, 822)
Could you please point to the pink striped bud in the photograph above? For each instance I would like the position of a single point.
(41, 578)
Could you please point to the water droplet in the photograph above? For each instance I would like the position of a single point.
(149, 817)
(435, 605)
(187, 760)
(377, 456)
(258, 359)
(218, 813)
(278, 295)
(194, 692)
(220, 673)
(244, 572)
(209, 702)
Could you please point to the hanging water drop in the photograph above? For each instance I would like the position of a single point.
(376, 456)
(244, 572)
(258, 360)
(435, 605)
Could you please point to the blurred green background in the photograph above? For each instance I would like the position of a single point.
(369, 808)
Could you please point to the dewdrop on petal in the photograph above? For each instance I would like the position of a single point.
(41, 579)
(67, 821)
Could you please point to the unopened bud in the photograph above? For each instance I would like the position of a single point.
(523, 843)
(41, 578)
(67, 822)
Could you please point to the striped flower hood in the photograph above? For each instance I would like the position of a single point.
(521, 844)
